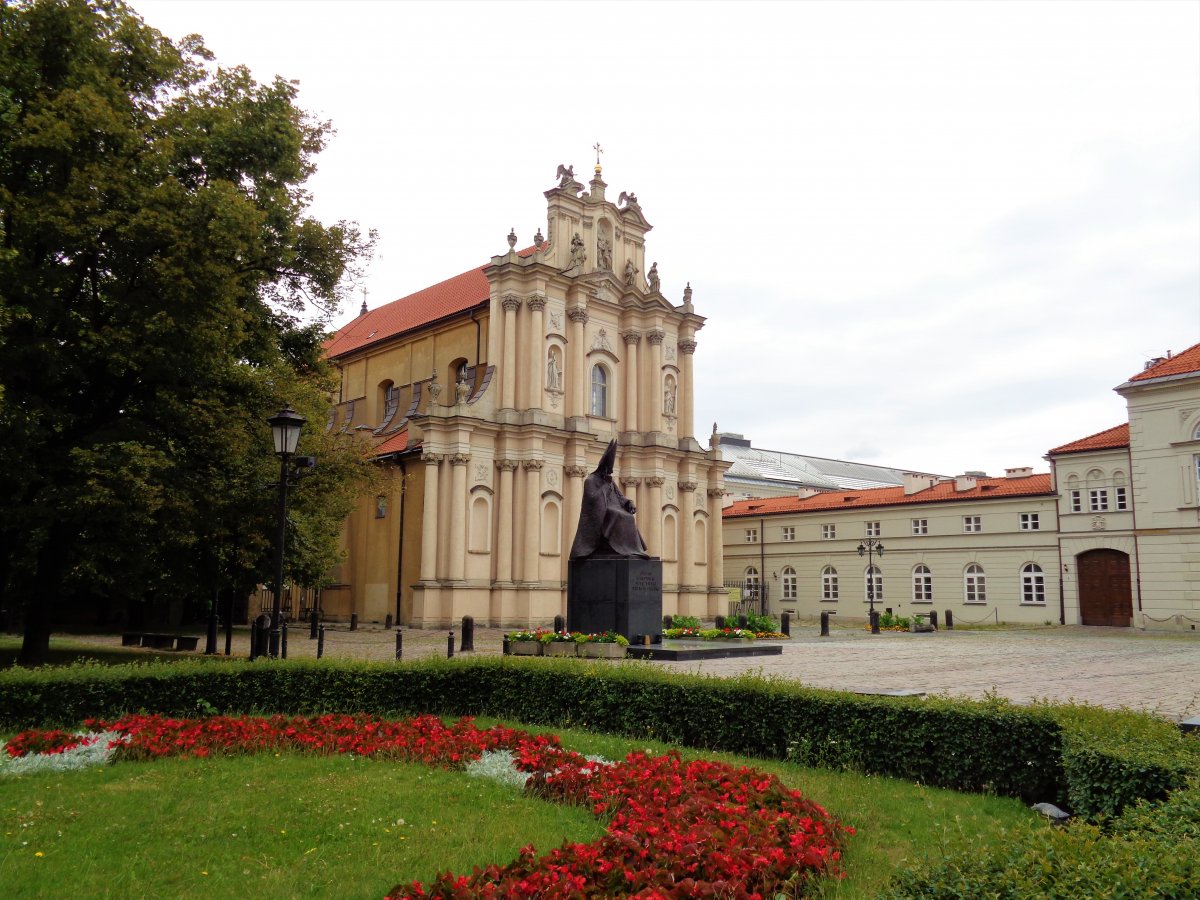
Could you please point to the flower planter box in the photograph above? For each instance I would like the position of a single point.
(919, 628)
(595, 650)
(525, 648)
(559, 648)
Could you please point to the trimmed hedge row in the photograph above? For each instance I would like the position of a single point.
(1069, 755)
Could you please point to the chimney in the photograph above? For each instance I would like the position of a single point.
(805, 492)
(1020, 472)
(914, 483)
(965, 482)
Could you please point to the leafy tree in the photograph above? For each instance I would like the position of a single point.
(155, 257)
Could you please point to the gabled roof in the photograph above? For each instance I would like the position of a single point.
(814, 471)
(454, 295)
(1184, 363)
(1110, 439)
(942, 492)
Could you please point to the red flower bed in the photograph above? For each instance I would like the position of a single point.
(676, 828)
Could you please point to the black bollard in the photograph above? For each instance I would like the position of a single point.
(450, 645)
(874, 622)
(949, 620)
(720, 623)
(313, 622)
(933, 618)
(321, 642)
(824, 624)
(785, 624)
(283, 630)
(399, 643)
(354, 621)
(560, 624)
(668, 621)
(505, 649)
(253, 642)
(466, 643)
(264, 635)
(387, 623)
(743, 621)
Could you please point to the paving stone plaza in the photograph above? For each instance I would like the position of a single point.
(1110, 667)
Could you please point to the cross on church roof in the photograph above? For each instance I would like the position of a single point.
(598, 150)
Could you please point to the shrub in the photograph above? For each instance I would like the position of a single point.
(761, 624)
(685, 622)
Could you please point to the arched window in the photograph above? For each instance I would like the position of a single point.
(974, 584)
(922, 585)
(1033, 584)
(873, 584)
(789, 583)
(386, 402)
(829, 584)
(750, 584)
(599, 391)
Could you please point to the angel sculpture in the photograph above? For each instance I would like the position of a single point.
(565, 175)
(630, 196)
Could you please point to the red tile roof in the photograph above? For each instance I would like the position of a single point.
(1180, 364)
(942, 492)
(397, 443)
(454, 295)
(1110, 439)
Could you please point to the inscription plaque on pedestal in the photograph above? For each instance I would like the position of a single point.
(615, 593)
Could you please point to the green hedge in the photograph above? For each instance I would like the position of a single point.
(1095, 761)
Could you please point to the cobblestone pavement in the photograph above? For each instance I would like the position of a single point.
(1103, 666)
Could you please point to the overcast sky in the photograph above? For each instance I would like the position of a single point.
(926, 235)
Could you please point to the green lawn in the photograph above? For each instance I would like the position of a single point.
(64, 651)
(318, 826)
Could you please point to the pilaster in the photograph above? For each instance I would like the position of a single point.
(429, 518)
(685, 407)
(458, 516)
(508, 372)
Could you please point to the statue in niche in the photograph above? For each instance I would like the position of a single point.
(669, 399)
(606, 523)
(630, 272)
(652, 276)
(565, 174)
(553, 372)
(604, 253)
(578, 254)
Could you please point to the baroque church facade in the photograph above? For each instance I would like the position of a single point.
(489, 397)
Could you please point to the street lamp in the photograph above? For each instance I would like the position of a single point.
(870, 547)
(285, 429)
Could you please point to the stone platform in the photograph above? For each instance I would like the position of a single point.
(684, 651)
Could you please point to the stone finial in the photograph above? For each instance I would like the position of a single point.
(687, 296)
(434, 390)
(538, 240)
(512, 239)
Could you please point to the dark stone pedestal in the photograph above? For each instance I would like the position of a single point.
(615, 593)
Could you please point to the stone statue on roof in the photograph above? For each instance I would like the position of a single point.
(565, 175)
(606, 523)
(652, 276)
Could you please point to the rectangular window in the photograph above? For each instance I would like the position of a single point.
(828, 532)
(751, 535)
(1076, 501)
(922, 588)
(1098, 500)
(1120, 498)
(789, 585)
(920, 526)
(829, 585)
(789, 533)
(972, 524)
(1030, 522)
(872, 529)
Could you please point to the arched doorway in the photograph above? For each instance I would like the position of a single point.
(1105, 597)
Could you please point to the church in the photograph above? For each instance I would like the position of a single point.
(489, 397)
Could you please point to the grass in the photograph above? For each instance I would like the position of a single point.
(64, 652)
(319, 826)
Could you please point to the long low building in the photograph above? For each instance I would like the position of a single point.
(1108, 537)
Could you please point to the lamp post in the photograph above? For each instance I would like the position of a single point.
(870, 547)
(285, 429)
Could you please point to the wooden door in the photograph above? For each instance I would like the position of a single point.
(1105, 597)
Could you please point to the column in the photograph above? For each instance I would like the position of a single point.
(429, 518)
(632, 382)
(536, 351)
(683, 405)
(533, 519)
(717, 550)
(577, 363)
(687, 533)
(653, 417)
(508, 362)
(458, 516)
(629, 487)
(654, 516)
(504, 521)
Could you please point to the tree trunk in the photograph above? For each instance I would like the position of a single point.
(42, 591)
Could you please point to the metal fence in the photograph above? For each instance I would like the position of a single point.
(747, 595)
(296, 604)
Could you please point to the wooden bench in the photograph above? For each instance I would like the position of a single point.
(159, 641)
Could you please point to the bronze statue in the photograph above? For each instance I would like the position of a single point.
(606, 523)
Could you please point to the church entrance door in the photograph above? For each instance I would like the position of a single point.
(1105, 597)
